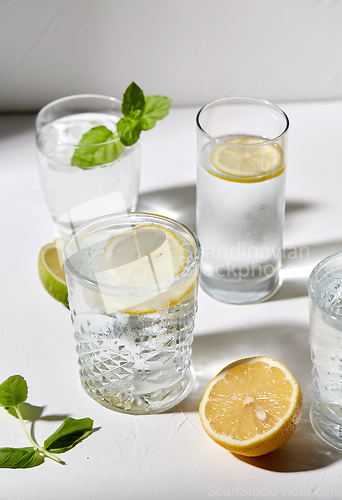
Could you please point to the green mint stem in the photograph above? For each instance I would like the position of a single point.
(34, 444)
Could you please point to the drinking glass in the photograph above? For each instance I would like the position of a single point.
(325, 302)
(241, 197)
(77, 194)
(132, 286)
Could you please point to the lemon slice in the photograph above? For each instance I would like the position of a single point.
(248, 161)
(144, 256)
(147, 259)
(252, 406)
(50, 272)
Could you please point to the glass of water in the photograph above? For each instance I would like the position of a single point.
(241, 197)
(325, 299)
(75, 194)
(132, 285)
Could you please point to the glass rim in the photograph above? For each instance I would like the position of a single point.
(69, 98)
(313, 275)
(254, 100)
(89, 283)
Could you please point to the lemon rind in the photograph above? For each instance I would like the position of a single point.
(248, 180)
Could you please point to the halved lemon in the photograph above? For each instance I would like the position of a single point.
(252, 162)
(50, 272)
(146, 259)
(252, 406)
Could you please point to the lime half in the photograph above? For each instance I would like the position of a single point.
(50, 272)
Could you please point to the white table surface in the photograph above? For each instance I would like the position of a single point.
(167, 456)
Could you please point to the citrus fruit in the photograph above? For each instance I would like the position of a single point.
(144, 256)
(144, 263)
(50, 272)
(250, 161)
(252, 406)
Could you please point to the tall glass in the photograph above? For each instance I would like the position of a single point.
(132, 285)
(241, 197)
(77, 194)
(325, 299)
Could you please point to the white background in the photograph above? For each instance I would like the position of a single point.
(193, 51)
(287, 51)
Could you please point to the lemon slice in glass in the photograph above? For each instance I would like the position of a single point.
(252, 162)
(252, 406)
(142, 265)
(144, 256)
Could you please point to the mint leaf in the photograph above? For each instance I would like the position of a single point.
(109, 153)
(69, 434)
(87, 154)
(13, 391)
(95, 135)
(129, 130)
(133, 102)
(156, 108)
(18, 458)
(147, 123)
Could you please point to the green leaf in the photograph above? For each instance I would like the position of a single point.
(13, 391)
(109, 153)
(156, 108)
(69, 434)
(147, 123)
(129, 130)
(18, 458)
(133, 102)
(87, 154)
(95, 135)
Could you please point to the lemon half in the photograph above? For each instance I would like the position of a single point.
(252, 406)
(250, 162)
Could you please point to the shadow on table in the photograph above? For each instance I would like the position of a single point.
(293, 206)
(298, 263)
(289, 344)
(178, 203)
(33, 413)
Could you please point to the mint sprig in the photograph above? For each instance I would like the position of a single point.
(13, 393)
(139, 113)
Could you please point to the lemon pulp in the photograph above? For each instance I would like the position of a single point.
(252, 406)
(247, 159)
